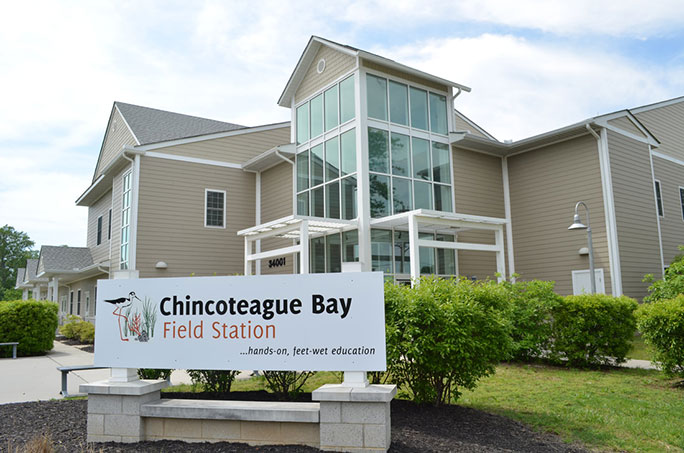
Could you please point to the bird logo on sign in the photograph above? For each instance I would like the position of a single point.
(133, 323)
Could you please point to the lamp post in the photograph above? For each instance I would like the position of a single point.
(578, 225)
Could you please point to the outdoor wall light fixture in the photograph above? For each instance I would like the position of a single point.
(161, 265)
(578, 225)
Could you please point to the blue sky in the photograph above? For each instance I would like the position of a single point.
(532, 66)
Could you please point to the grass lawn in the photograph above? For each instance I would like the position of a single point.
(621, 409)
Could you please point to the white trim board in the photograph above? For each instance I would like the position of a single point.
(194, 160)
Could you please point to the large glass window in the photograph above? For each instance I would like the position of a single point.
(379, 195)
(377, 97)
(401, 195)
(326, 170)
(303, 123)
(333, 252)
(347, 104)
(419, 109)
(316, 116)
(400, 155)
(350, 244)
(398, 93)
(659, 199)
(440, 162)
(438, 114)
(331, 108)
(326, 253)
(391, 253)
(378, 157)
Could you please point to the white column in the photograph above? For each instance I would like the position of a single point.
(257, 220)
(509, 224)
(304, 243)
(414, 250)
(124, 374)
(248, 251)
(500, 259)
(362, 180)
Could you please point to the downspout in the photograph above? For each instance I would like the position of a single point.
(609, 210)
(135, 188)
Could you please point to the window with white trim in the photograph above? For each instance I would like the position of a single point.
(109, 229)
(659, 199)
(408, 148)
(125, 219)
(214, 208)
(681, 199)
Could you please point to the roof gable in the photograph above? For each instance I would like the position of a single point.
(315, 43)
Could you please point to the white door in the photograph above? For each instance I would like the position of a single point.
(581, 284)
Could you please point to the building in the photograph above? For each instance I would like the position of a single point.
(378, 168)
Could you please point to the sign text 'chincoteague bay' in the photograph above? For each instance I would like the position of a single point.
(283, 322)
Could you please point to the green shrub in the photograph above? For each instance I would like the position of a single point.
(86, 332)
(443, 335)
(218, 381)
(662, 325)
(153, 373)
(530, 315)
(70, 327)
(286, 382)
(76, 328)
(672, 283)
(31, 323)
(592, 329)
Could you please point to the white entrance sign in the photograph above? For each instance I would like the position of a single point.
(312, 322)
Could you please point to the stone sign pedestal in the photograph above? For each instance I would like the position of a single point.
(355, 419)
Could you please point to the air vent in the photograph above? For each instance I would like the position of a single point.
(320, 67)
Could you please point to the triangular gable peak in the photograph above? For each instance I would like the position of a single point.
(324, 62)
(117, 135)
(623, 122)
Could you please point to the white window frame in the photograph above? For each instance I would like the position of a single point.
(681, 200)
(658, 190)
(206, 194)
(124, 263)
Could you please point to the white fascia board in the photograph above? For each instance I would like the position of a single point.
(603, 121)
(657, 105)
(137, 142)
(201, 138)
(668, 158)
(90, 189)
(194, 160)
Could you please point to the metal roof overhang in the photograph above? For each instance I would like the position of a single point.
(72, 275)
(288, 227)
(270, 158)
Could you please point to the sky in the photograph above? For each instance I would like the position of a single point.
(533, 66)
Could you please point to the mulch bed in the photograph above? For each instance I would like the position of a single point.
(415, 429)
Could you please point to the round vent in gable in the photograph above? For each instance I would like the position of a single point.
(320, 67)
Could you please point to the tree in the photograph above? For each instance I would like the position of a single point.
(15, 249)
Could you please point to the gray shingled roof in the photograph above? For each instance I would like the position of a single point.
(31, 268)
(20, 275)
(63, 258)
(153, 125)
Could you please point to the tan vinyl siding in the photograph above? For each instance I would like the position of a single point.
(626, 124)
(666, 124)
(117, 136)
(171, 219)
(635, 213)
(337, 64)
(276, 202)
(671, 177)
(403, 75)
(235, 149)
(462, 125)
(117, 186)
(544, 185)
(478, 190)
(87, 285)
(101, 207)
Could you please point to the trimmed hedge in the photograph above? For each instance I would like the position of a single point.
(592, 329)
(444, 335)
(662, 326)
(32, 323)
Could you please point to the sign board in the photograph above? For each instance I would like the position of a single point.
(317, 322)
